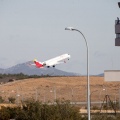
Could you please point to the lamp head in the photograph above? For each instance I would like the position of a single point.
(69, 28)
(119, 4)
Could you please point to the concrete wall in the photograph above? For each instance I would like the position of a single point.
(112, 75)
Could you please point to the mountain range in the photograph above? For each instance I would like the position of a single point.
(26, 69)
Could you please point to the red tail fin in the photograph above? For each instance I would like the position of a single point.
(38, 64)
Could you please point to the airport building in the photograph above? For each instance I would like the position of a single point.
(112, 75)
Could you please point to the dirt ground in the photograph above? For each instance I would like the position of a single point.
(69, 88)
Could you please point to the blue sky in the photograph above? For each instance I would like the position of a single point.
(35, 29)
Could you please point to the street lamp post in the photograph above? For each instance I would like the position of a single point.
(88, 82)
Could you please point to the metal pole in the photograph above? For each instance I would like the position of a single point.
(119, 98)
(36, 95)
(54, 94)
(71, 95)
(88, 83)
(44, 95)
(100, 95)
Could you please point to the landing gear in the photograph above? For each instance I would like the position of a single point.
(49, 66)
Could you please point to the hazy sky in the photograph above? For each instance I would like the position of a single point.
(35, 29)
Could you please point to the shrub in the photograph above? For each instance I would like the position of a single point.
(11, 99)
(95, 108)
(1, 99)
(34, 110)
(4, 114)
(37, 111)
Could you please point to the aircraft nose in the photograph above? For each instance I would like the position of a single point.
(69, 55)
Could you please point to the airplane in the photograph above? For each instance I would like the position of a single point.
(51, 62)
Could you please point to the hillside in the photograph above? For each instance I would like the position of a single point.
(26, 69)
(50, 88)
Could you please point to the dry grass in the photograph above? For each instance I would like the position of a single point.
(70, 88)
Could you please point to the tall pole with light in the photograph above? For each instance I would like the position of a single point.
(88, 82)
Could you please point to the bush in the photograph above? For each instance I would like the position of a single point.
(34, 110)
(1, 99)
(38, 111)
(95, 108)
(11, 99)
(4, 114)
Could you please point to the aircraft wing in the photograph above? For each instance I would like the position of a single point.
(51, 63)
(55, 62)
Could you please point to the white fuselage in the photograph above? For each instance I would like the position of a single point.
(57, 60)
